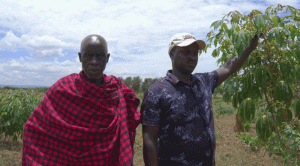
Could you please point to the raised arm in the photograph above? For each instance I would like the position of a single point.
(231, 66)
(150, 137)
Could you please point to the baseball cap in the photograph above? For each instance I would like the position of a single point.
(185, 39)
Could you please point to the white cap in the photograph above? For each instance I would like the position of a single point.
(185, 39)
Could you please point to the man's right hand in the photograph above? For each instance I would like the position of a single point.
(150, 137)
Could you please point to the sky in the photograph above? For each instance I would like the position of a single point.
(40, 40)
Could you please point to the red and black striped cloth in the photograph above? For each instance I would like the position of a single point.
(81, 123)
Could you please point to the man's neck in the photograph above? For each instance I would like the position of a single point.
(182, 76)
(96, 81)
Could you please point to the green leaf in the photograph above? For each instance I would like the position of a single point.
(216, 52)
(270, 36)
(216, 42)
(256, 11)
(274, 18)
(209, 34)
(219, 35)
(260, 20)
(224, 27)
(228, 32)
(241, 37)
(297, 44)
(297, 23)
(293, 31)
(268, 9)
(292, 9)
(217, 24)
(279, 40)
(278, 32)
(236, 17)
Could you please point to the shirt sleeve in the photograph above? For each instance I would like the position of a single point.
(212, 80)
(150, 110)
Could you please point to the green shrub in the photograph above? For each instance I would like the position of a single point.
(15, 108)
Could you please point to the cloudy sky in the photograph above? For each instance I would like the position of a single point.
(39, 40)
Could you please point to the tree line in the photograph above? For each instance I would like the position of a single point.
(137, 84)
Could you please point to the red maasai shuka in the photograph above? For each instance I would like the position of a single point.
(81, 123)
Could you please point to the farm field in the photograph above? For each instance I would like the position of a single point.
(230, 150)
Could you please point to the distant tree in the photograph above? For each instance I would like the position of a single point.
(9, 87)
(42, 89)
(128, 82)
(155, 80)
(122, 79)
(146, 84)
(136, 83)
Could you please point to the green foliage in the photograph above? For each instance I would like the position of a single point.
(220, 110)
(264, 127)
(136, 83)
(246, 111)
(15, 108)
(128, 82)
(271, 107)
(148, 82)
(296, 108)
(41, 89)
(8, 87)
(247, 126)
(219, 90)
(253, 142)
(289, 145)
(140, 96)
(283, 92)
(217, 134)
(271, 71)
(283, 115)
(261, 76)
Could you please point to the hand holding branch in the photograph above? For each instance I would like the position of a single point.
(254, 42)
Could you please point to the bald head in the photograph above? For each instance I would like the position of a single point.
(93, 55)
(94, 40)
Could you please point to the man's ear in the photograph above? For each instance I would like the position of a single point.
(108, 57)
(172, 53)
(79, 54)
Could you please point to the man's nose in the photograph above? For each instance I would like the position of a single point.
(94, 60)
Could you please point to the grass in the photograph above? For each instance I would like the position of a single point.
(230, 150)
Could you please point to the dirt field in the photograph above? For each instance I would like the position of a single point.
(230, 150)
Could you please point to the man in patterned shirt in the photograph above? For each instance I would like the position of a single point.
(178, 108)
(84, 119)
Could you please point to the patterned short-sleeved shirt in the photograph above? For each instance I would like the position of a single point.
(184, 115)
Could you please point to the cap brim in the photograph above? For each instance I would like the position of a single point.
(200, 43)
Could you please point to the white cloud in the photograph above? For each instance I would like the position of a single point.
(10, 42)
(22, 72)
(138, 31)
(49, 53)
(43, 46)
(284, 2)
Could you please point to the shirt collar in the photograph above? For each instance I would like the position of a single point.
(174, 80)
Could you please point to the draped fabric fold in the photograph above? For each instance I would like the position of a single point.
(81, 123)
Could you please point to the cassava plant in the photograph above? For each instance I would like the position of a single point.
(270, 82)
(15, 108)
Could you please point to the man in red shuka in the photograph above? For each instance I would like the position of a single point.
(84, 119)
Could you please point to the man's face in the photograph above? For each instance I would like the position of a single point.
(185, 59)
(93, 57)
